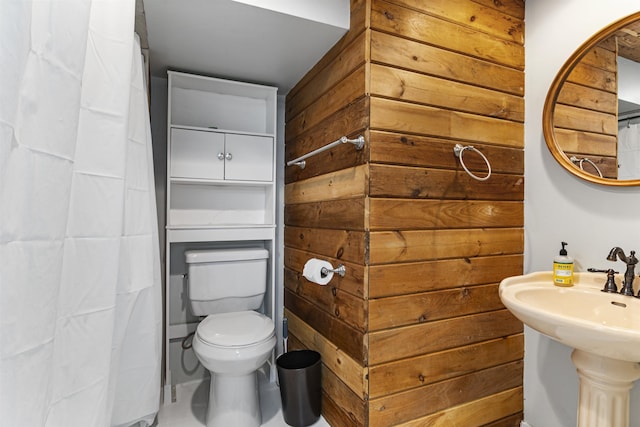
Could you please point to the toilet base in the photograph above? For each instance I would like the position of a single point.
(234, 401)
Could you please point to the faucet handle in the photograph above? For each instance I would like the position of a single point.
(610, 286)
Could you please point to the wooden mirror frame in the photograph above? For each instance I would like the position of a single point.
(552, 96)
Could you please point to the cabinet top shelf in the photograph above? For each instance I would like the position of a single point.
(221, 86)
(216, 130)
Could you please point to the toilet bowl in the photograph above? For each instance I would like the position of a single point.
(233, 346)
(233, 340)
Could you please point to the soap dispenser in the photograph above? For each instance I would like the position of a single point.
(563, 268)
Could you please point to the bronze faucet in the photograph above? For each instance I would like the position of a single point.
(631, 261)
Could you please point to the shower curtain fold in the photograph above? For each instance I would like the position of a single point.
(80, 284)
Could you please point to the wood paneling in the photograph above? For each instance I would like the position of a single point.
(401, 407)
(415, 277)
(343, 184)
(352, 282)
(415, 150)
(414, 87)
(345, 92)
(405, 214)
(396, 116)
(351, 121)
(408, 341)
(440, 31)
(427, 59)
(412, 309)
(339, 244)
(347, 214)
(415, 333)
(422, 183)
(347, 338)
(350, 372)
(585, 115)
(489, 20)
(418, 371)
(478, 412)
(585, 97)
(569, 117)
(387, 247)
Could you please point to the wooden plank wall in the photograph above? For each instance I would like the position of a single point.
(585, 117)
(415, 334)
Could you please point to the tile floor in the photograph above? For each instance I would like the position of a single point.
(189, 409)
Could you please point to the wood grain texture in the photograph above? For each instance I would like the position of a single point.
(428, 59)
(396, 116)
(344, 245)
(404, 214)
(434, 30)
(335, 74)
(345, 92)
(430, 368)
(344, 184)
(402, 407)
(415, 277)
(408, 341)
(413, 309)
(386, 247)
(586, 142)
(345, 337)
(477, 413)
(352, 373)
(417, 323)
(482, 18)
(513, 8)
(345, 214)
(588, 98)
(352, 282)
(569, 117)
(350, 121)
(415, 150)
(414, 87)
(422, 183)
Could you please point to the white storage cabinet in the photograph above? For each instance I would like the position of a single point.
(220, 189)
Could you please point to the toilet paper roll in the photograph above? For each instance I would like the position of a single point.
(312, 271)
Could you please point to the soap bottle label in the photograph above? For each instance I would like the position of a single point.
(563, 274)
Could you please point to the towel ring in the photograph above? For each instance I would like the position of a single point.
(580, 162)
(459, 150)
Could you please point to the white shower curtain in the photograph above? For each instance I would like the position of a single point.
(80, 310)
(629, 150)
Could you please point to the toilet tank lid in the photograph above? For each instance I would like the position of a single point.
(217, 255)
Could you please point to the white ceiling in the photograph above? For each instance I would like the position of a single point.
(274, 44)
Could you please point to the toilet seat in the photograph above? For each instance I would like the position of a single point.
(235, 330)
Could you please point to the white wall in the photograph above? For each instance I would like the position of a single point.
(559, 206)
(628, 81)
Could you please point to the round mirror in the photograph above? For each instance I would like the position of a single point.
(591, 116)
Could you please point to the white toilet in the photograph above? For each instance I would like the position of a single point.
(233, 341)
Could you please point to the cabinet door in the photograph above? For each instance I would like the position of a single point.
(249, 158)
(194, 154)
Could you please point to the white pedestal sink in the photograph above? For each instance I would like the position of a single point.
(603, 329)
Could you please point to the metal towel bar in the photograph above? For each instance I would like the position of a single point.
(300, 161)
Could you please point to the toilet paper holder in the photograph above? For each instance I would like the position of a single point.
(341, 270)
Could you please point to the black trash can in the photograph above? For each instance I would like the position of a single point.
(299, 373)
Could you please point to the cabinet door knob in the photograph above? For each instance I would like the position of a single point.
(220, 156)
(228, 156)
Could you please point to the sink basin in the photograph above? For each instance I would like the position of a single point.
(581, 316)
(603, 329)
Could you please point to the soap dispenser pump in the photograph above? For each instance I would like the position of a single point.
(563, 268)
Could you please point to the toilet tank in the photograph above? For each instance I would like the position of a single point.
(226, 280)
